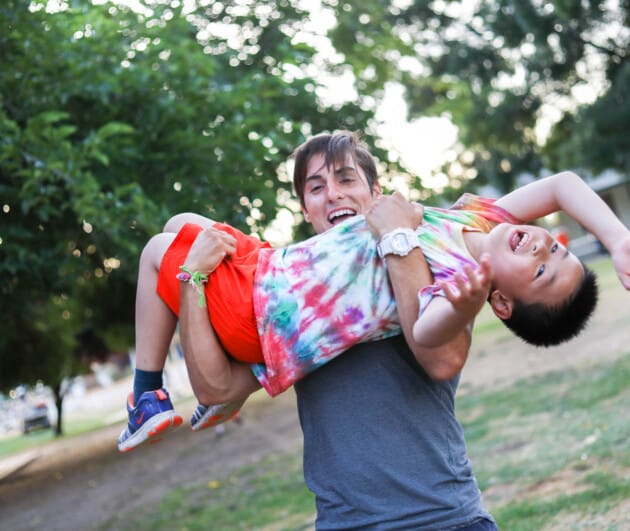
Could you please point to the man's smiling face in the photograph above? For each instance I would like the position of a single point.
(333, 194)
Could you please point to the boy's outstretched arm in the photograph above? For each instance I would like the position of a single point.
(568, 192)
(464, 298)
(408, 274)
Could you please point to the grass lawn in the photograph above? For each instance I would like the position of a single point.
(554, 448)
(549, 452)
(18, 443)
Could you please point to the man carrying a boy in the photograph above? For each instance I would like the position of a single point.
(382, 446)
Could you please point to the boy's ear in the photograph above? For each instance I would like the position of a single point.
(501, 305)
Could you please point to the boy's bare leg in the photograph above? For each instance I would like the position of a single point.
(179, 220)
(155, 323)
(150, 411)
(215, 378)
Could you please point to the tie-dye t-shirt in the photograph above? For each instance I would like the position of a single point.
(315, 299)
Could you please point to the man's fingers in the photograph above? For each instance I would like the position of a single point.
(419, 210)
(398, 196)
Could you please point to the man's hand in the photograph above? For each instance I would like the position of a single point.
(469, 292)
(209, 249)
(389, 212)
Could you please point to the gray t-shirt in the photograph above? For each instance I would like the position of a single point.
(382, 447)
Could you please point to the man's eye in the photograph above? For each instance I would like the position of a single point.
(315, 189)
(540, 271)
(554, 247)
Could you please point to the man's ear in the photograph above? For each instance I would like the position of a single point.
(376, 189)
(501, 305)
(306, 216)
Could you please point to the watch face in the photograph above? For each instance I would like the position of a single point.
(399, 243)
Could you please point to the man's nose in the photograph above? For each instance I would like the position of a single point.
(334, 190)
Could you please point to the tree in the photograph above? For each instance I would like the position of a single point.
(111, 121)
(596, 136)
(502, 70)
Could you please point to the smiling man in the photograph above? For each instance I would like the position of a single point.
(382, 446)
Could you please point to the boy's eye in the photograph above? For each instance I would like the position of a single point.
(540, 270)
(554, 247)
(316, 188)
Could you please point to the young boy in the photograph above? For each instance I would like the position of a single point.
(303, 305)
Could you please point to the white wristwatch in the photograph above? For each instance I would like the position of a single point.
(399, 242)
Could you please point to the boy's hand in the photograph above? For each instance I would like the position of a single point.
(389, 212)
(469, 292)
(209, 249)
(620, 255)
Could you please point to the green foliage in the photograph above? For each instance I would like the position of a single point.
(596, 137)
(495, 68)
(111, 121)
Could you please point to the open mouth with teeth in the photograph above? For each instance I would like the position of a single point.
(518, 240)
(340, 215)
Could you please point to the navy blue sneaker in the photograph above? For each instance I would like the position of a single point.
(152, 416)
(206, 416)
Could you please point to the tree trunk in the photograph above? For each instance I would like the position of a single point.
(59, 404)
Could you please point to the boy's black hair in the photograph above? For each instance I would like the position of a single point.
(545, 326)
(335, 148)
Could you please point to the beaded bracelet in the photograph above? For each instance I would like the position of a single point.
(196, 280)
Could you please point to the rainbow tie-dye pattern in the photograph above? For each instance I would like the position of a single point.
(315, 299)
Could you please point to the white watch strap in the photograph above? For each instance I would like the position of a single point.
(386, 245)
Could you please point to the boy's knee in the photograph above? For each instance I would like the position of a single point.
(154, 250)
(175, 223)
(179, 220)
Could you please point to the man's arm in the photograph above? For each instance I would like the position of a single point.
(408, 274)
(207, 363)
(201, 345)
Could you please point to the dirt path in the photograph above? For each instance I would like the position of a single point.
(81, 483)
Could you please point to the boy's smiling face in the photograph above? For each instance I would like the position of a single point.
(530, 266)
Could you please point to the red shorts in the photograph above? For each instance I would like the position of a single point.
(229, 291)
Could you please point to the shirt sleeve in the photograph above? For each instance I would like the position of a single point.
(425, 296)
